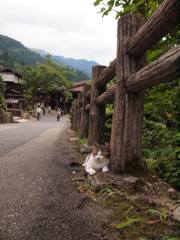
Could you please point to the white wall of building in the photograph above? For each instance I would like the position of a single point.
(10, 77)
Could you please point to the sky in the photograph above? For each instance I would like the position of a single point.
(71, 28)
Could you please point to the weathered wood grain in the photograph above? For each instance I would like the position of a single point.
(78, 112)
(84, 114)
(164, 69)
(87, 107)
(96, 114)
(107, 74)
(75, 114)
(128, 108)
(106, 97)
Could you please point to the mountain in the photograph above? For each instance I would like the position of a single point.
(78, 64)
(14, 55)
(13, 52)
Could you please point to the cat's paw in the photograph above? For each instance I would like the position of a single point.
(91, 171)
(105, 169)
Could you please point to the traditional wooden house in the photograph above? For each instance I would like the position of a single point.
(14, 99)
(78, 87)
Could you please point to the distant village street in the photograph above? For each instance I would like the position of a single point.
(38, 200)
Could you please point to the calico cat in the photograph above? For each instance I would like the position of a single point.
(98, 159)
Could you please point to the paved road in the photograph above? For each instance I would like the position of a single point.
(13, 135)
(37, 198)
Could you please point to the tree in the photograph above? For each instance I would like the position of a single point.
(121, 7)
(145, 8)
(47, 77)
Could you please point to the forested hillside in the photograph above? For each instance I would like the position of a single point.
(78, 64)
(81, 65)
(14, 55)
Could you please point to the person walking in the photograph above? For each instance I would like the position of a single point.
(49, 109)
(58, 114)
(38, 112)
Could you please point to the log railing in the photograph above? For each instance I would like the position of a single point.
(106, 97)
(133, 76)
(107, 74)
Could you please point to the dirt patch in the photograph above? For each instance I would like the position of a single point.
(86, 218)
(139, 207)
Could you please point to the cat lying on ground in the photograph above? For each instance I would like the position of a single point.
(97, 160)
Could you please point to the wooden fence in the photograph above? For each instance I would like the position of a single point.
(133, 76)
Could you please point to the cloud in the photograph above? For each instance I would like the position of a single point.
(70, 28)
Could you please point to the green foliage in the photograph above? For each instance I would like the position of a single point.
(13, 53)
(171, 238)
(162, 214)
(161, 133)
(86, 187)
(15, 56)
(68, 96)
(107, 189)
(46, 77)
(121, 7)
(127, 222)
(76, 75)
(82, 140)
(145, 8)
(108, 122)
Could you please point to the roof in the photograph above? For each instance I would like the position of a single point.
(77, 89)
(80, 83)
(78, 86)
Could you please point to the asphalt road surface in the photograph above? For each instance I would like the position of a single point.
(37, 197)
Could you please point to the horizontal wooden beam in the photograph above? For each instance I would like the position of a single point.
(164, 69)
(107, 74)
(161, 22)
(106, 97)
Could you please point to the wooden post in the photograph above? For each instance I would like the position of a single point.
(75, 114)
(96, 114)
(78, 113)
(84, 114)
(128, 108)
(72, 116)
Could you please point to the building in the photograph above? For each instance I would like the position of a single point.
(78, 87)
(14, 99)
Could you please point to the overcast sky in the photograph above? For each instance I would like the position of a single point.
(72, 28)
